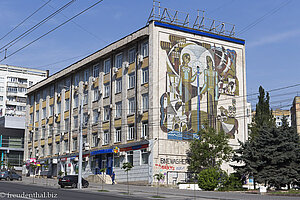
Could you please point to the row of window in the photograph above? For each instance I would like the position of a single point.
(16, 89)
(106, 136)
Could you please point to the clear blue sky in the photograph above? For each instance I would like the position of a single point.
(271, 45)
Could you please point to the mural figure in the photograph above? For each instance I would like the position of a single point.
(210, 87)
(198, 76)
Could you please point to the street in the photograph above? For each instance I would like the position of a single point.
(14, 188)
(50, 190)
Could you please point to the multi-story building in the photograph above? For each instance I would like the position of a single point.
(14, 82)
(295, 114)
(279, 114)
(12, 141)
(144, 97)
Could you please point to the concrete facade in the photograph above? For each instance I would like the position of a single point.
(295, 114)
(139, 122)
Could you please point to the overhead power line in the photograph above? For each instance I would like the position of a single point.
(20, 37)
(25, 20)
(52, 30)
(260, 19)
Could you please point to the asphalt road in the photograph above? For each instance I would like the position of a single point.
(13, 190)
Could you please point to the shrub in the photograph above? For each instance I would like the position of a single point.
(209, 179)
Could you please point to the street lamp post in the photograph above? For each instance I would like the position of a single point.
(80, 146)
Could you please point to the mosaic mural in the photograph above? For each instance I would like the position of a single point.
(198, 75)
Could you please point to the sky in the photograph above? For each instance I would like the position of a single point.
(269, 27)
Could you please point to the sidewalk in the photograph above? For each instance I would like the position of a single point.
(147, 192)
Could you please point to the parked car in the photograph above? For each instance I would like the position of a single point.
(72, 180)
(9, 175)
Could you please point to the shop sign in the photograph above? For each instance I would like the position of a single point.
(116, 150)
(64, 159)
(102, 151)
(134, 147)
(54, 161)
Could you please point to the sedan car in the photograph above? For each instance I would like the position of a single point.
(9, 175)
(72, 180)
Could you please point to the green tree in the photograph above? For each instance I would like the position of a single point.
(159, 177)
(209, 151)
(263, 114)
(103, 170)
(127, 167)
(210, 178)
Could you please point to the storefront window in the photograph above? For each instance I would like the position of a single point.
(130, 157)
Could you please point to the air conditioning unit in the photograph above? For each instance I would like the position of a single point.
(58, 95)
(126, 64)
(144, 137)
(56, 115)
(116, 70)
(86, 83)
(140, 113)
(86, 158)
(110, 106)
(94, 79)
(67, 151)
(99, 109)
(86, 144)
(76, 87)
(140, 58)
(99, 136)
(37, 154)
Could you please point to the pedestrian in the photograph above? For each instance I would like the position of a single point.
(113, 175)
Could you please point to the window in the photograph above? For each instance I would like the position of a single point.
(85, 119)
(37, 115)
(75, 121)
(36, 133)
(118, 135)
(95, 140)
(145, 102)
(12, 79)
(130, 157)
(58, 106)
(145, 156)
(42, 151)
(44, 94)
(58, 128)
(131, 82)
(119, 85)
(106, 90)
(145, 75)
(50, 149)
(131, 55)
(96, 70)
(44, 113)
(106, 137)
(66, 148)
(57, 147)
(84, 139)
(31, 118)
(12, 89)
(1, 89)
(66, 125)
(95, 116)
(145, 130)
(106, 66)
(106, 113)
(145, 49)
(43, 132)
(86, 75)
(67, 84)
(76, 100)
(130, 135)
(85, 97)
(131, 106)
(51, 107)
(67, 104)
(119, 61)
(22, 90)
(117, 161)
(74, 144)
(96, 94)
(118, 109)
(51, 91)
(76, 80)
(50, 131)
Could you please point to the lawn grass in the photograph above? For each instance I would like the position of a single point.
(103, 191)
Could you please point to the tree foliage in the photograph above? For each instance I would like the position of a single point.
(272, 154)
(209, 151)
(210, 178)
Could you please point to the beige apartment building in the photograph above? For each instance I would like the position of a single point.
(144, 98)
(295, 114)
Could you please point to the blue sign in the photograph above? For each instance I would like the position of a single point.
(102, 151)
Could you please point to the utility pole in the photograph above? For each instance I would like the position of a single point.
(80, 146)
